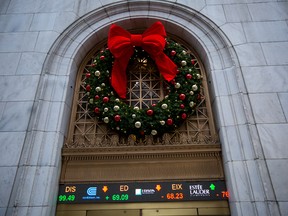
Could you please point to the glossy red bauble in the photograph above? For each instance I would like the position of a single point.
(182, 106)
(182, 96)
(192, 62)
(97, 97)
(188, 76)
(173, 53)
(88, 88)
(169, 121)
(184, 116)
(97, 110)
(105, 100)
(149, 112)
(87, 75)
(102, 58)
(117, 118)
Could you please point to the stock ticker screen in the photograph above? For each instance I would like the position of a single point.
(129, 192)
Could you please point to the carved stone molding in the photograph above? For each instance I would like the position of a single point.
(142, 163)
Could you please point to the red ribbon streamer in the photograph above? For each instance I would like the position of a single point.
(121, 44)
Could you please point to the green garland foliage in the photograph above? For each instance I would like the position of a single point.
(166, 115)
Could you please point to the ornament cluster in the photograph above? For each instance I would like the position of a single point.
(166, 115)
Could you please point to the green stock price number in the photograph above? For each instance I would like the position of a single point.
(120, 197)
(64, 198)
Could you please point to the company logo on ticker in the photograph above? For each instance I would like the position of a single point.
(198, 190)
(92, 191)
(92, 194)
(139, 191)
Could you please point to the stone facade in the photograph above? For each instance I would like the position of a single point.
(243, 46)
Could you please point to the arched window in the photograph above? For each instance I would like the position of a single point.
(145, 87)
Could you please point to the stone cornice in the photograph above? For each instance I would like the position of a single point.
(142, 153)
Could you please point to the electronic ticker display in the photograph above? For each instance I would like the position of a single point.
(142, 192)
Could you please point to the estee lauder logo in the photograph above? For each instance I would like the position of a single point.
(197, 190)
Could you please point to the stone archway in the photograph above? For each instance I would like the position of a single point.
(48, 125)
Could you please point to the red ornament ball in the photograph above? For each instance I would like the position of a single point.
(105, 99)
(87, 75)
(192, 62)
(102, 58)
(173, 53)
(169, 121)
(149, 112)
(188, 76)
(184, 116)
(117, 118)
(182, 96)
(97, 97)
(153, 105)
(182, 106)
(88, 88)
(97, 110)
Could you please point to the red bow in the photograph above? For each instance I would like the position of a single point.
(120, 44)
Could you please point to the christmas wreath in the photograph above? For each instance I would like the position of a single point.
(105, 83)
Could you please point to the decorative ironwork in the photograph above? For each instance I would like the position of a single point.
(145, 87)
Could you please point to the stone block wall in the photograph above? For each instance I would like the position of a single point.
(249, 90)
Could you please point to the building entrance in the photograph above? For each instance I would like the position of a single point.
(212, 208)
